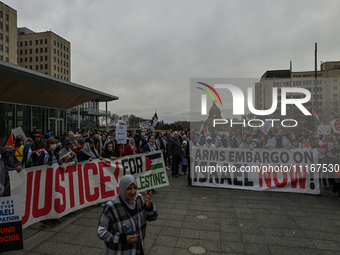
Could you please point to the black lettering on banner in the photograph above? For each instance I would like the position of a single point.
(231, 156)
(246, 180)
(239, 156)
(257, 158)
(237, 174)
(274, 157)
(198, 155)
(309, 159)
(205, 155)
(139, 163)
(284, 157)
(249, 156)
(125, 165)
(132, 165)
(298, 157)
(226, 175)
(266, 157)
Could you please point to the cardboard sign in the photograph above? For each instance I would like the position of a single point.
(324, 130)
(10, 224)
(121, 134)
(145, 125)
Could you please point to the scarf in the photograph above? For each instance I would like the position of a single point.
(10, 160)
(108, 154)
(64, 153)
(133, 147)
(124, 183)
(152, 146)
(110, 139)
(91, 152)
(73, 142)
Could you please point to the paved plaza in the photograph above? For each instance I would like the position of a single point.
(234, 222)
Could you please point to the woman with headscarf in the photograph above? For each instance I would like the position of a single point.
(131, 149)
(9, 163)
(100, 145)
(108, 152)
(122, 224)
(88, 152)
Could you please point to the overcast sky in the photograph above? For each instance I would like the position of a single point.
(145, 52)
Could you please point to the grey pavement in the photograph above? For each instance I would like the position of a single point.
(236, 222)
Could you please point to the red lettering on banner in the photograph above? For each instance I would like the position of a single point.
(298, 175)
(116, 174)
(266, 175)
(90, 197)
(80, 184)
(104, 179)
(58, 206)
(284, 179)
(36, 212)
(28, 199)
(70, 170)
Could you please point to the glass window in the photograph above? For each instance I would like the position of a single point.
(20, 44)
(6, 17)
(54, 42)
(41, 67)
(31, 67)
(7, 27)
(30, 42)
(41, 50)
(41, 41)
(41, 58)
(46, 49)
(7, 49)
(1, 48)
(31, 51)
(21, 59)
(45, 66)
(24, 118)
(7, 59)
(25, 51)
(38, 119)
(36, 58)
(0, 14)
(57, 44)
(36, 67)
(45, 41)
(55, 75)
(36, 42)
(7, 39)
(30, 59)
(26, 60)
(25, 43)
(45, 57)
(36, 50)
(55, 67)
(1, 25)
(55, 51)
(1, 36)
(20, 52)
(55, 59)
(1, 58)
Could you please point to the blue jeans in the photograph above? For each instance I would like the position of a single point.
(175, 164)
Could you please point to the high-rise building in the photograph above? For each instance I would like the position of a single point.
(8, 34)
(327, 91)
(45, 52)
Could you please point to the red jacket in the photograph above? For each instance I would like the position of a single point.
(129, 151)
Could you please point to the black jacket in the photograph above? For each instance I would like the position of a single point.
(175, 148)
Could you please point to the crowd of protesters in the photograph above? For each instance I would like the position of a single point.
(76, 147)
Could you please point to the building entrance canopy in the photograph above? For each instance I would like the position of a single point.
(20, 85)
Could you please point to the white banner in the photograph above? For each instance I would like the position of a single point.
(294, 170)
(324, 130)
(144, 125)
(121, 134)
(49, 192)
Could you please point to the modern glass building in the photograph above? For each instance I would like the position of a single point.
(32, 100)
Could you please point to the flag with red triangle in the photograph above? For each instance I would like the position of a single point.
(154, 161)
(316, 116)
(10, 139)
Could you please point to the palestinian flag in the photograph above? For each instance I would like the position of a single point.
(316, 116)
(154, 161)
(154, 121)
(29, 155)
(10, 139)
(89, 133)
